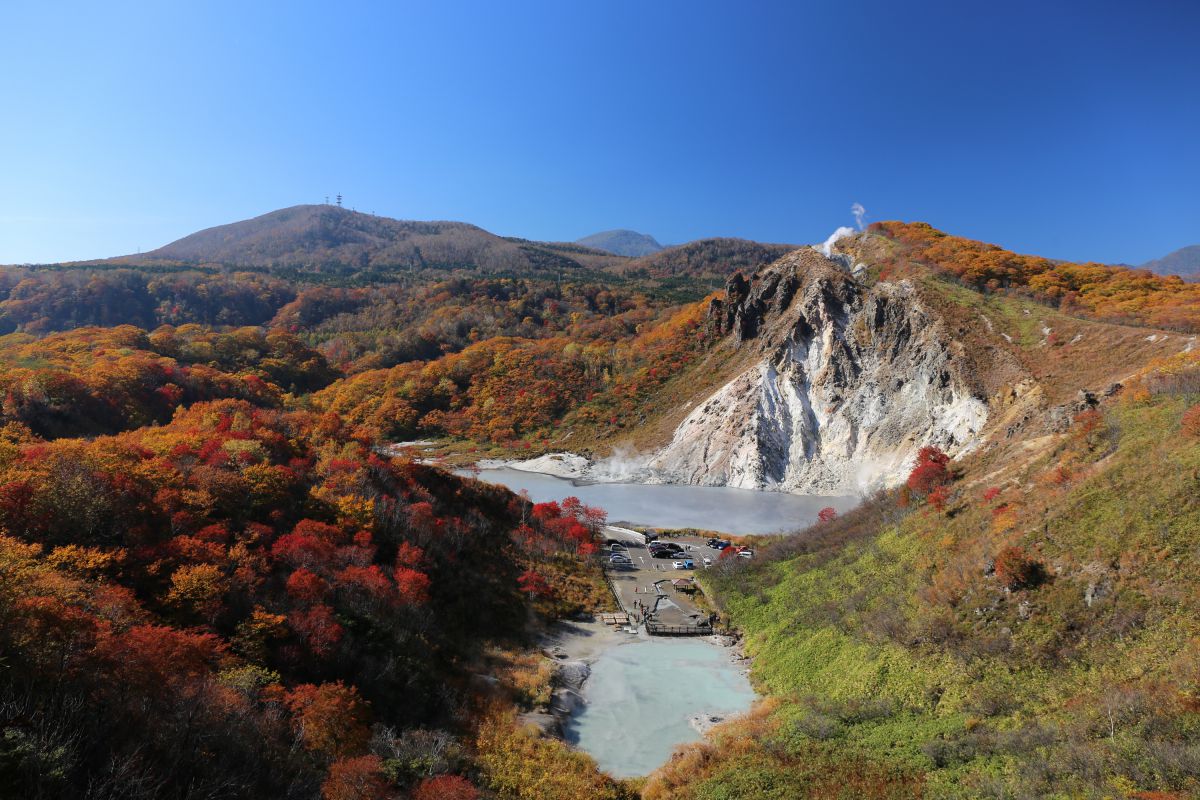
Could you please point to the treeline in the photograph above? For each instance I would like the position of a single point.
(45, 300)
(514, 391)
(415, 318)
(375, 328)
(95, 381)
(705, 258)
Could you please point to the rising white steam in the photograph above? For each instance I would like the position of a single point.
(859, 213)
(826, 249)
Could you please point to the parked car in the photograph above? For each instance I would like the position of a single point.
(617, 547)
(685, 564)
(720, 544)
(708, 561)
(663, 554)
(747, 553)
(620, 560)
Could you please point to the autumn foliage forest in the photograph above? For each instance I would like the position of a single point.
(1098, 291)
(216, 583)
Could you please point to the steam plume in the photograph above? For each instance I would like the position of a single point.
(859, 213)
(826, 249)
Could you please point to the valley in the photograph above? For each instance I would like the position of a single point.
(968, 478)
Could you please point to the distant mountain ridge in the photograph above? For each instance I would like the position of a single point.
(339, 243)
(622, 242)
(1184, 262)
(330, 237)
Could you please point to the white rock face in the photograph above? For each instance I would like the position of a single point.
(852, 382)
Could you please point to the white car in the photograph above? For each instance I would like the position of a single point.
(745, 554)
(707, 561)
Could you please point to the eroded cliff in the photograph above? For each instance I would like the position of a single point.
(850, 380)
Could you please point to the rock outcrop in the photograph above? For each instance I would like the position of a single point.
(850, 380)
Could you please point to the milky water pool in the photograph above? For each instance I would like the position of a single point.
(715, 508)
(641, 695)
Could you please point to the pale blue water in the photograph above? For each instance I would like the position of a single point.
(714, 508)
(641, 695)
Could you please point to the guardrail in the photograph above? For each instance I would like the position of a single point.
(613, 588)
(659, 629)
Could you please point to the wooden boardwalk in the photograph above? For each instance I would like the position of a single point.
(658, 629)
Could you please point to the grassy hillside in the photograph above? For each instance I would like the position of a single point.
(1030, 631)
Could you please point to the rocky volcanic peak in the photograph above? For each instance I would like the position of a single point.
(850, 381)
(622, 242)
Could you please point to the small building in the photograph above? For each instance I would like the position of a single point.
(686, 585)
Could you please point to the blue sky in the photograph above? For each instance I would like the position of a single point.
(1068, 129)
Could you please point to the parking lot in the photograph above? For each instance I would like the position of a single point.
(644, 586)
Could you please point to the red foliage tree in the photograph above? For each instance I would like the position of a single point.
(1016, 569)
(320, 530)
(533, 584)
(152, 657)
(938, 498)
(408, 555)
(930, 471)
(318, 628)
(307, 587)
(1190, 424)
(412, 586)
(360, 778)
(547, 511)
(301, 549)
(446, 787)
(827, 514)
(369, 586)
(330, 718)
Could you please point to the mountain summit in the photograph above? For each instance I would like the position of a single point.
(331, 237)
(622, 243)
(1184, 262)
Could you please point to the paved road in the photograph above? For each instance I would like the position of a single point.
(637, 584)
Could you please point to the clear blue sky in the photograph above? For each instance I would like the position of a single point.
(1069, 129)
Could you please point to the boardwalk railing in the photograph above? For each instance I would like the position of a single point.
(612, 587)
(659, 629)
